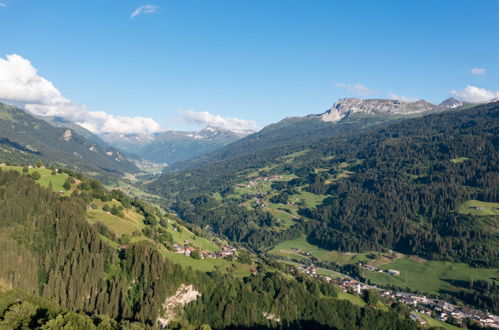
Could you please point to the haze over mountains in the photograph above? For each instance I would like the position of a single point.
(174, 146)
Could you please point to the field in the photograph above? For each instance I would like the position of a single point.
(428, 276)
(300, 249)
(46, 177)
(479, 208)
(115, 224)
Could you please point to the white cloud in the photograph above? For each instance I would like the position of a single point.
(21, 84)
(403, 98)
(145, 9)
(478, 71)
(475, 94)
(207, 119)
(357, 89)
(3, 5)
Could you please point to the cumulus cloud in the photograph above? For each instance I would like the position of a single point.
(475, 94)
(478, 71)
(21, 84)
(403, 98)
(357, 89)
(207, 119)
(145, 9)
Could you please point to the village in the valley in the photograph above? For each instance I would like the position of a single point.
(436, 308)
(253, 183)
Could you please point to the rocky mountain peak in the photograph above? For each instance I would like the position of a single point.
(347, 106)
(451, 103)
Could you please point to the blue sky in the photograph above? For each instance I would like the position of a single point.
(254, 60)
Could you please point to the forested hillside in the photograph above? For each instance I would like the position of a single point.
(399, 186)
(281, 138)
(25, 140)
(49, 250)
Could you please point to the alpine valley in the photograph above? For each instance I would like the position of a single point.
(375, 214)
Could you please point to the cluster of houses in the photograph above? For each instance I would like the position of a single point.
(436, 308)
(443, 310)
(254, 182)
(187, 249)
(351, 285)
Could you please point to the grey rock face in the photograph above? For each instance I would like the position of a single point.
(347, 106)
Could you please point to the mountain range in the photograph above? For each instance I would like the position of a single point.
(347, 106)
(178, 148)
(174, 146)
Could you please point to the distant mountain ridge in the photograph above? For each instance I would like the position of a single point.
(346, 115)
(174, 146)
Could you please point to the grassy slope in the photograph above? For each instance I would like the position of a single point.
(436, 323)
(56, 180)
(115, 224)
(187, 235)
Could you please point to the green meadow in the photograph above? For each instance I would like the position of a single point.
(428, 276)
(46, 177)
(180, 237)
(479, 208)
(299, 247)
(436, 323)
